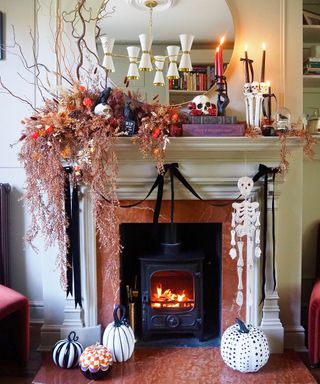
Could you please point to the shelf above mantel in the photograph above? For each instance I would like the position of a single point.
(212, 147)
(218, 143)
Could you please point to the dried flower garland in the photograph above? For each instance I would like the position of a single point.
(67, 131)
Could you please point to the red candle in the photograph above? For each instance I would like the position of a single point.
(216, 62)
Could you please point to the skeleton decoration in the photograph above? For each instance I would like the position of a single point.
(253, 93)
(245, 222)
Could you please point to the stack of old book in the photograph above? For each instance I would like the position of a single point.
(312, 66)
(214, 126)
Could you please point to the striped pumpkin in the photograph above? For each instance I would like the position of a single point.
(66, 352)
(118, 337)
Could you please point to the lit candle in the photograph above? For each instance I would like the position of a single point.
(246, 63)
(216, 62)
(221, 56)
(263, 63)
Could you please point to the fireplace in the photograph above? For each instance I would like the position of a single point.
(179, 283)
(171, 292)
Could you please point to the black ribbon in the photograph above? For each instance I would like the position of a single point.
(67, 207)
(159, 183)
(264, 172)
(73, 234)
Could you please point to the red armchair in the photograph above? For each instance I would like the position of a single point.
(14, 317)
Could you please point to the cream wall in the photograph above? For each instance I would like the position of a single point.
(278, 24)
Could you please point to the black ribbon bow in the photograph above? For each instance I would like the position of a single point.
(72, 231)
(265, 171)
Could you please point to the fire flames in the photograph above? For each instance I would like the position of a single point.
(169, 299)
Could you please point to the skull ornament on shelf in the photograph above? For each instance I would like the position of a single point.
(255, 86)
(247, 88)
(202, 104)
(264, 88)
(103, 109)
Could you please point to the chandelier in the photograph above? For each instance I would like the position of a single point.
(148, 62)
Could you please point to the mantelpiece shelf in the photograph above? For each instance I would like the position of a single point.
(191, 147)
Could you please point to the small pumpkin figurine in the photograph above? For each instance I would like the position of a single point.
(244, 347)
(66, 352)
(118, 337)
(95, 361)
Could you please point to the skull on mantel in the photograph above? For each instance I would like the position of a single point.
(202, 104)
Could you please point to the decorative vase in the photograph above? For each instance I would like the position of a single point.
(118, 337)
(95, 361)
(66, 352)
(244, 347)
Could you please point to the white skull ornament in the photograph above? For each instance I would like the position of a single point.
(202, 103)
(245, 185)
(255, 87)
(264, 87)
(103, 109)
(247, 88)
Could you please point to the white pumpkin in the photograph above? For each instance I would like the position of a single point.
(66, 352)
(118, 337)
(244, 348)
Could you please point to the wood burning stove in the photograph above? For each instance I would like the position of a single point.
(172, 292)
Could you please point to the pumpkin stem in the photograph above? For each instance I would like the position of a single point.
(72, 336)
(242, 326)
(122, 320)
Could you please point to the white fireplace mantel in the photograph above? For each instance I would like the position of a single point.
(213, 166)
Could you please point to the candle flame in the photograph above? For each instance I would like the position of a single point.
(246, 47)
(268, 83)
(222, 40)
(263, 46)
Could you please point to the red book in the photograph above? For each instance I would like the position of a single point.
(213, 130)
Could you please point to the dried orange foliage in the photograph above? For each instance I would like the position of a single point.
(66, 131)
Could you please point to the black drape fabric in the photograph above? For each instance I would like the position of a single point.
(67, 207)
(71, 201)
(264, 172)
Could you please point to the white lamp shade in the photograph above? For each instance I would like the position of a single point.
(107, 47)
(145, 61)
(173, 51)
(159, 63)
(158, 79)
(186, 44)
(133, 53)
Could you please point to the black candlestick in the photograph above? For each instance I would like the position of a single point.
(223, 99)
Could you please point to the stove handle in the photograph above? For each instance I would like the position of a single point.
(145, 298)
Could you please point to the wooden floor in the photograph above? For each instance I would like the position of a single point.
(12, 373)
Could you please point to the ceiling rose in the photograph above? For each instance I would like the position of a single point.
(159, 5)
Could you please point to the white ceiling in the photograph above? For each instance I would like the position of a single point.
(208, 20)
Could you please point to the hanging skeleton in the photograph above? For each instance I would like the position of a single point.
(245, 222)
(253, 93)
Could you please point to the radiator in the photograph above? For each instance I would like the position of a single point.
(4, 233)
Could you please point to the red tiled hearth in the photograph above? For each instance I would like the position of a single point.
(184, 366)
(186, 211)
